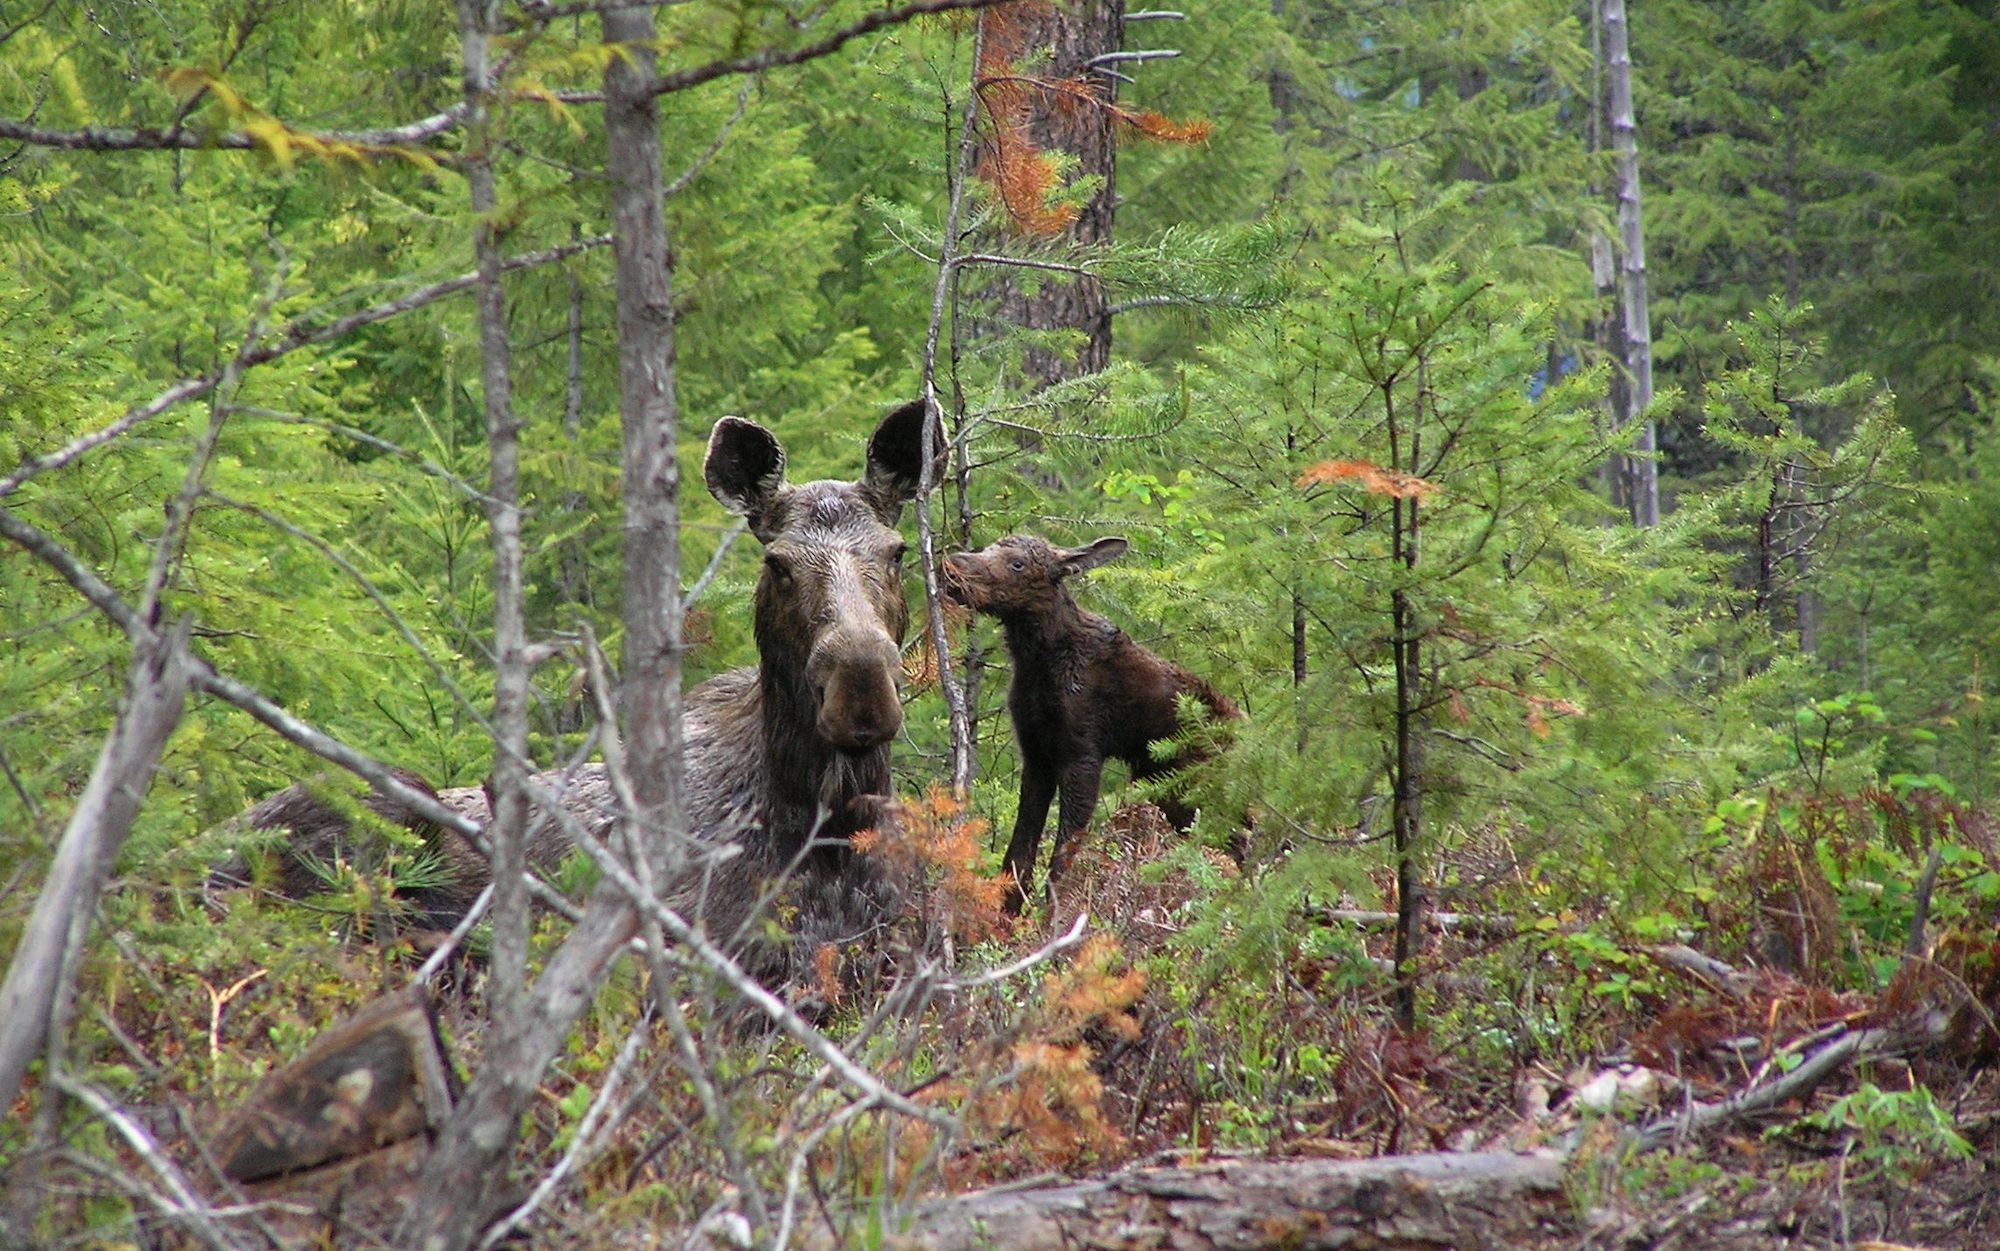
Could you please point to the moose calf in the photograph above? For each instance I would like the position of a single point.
(1082, 692)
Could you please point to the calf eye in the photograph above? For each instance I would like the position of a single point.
(1017, 565)
(896, 557)
(779, 569)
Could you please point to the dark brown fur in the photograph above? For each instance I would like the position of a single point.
(1083, 692)
(788, 758)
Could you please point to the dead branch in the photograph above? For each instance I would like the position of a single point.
(45, 962)
(1850, 1047)
(1448, 922)
(1705, 969)
(1474, 1200)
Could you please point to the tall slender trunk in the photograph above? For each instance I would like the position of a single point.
(1071, 35)
(959, 698)
(477, 21)
(1406, 798)
(42, 971)
(460, 1175)
(650, 415)
(1644, 499)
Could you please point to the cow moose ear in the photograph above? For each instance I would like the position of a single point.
(745, 469)
(896, 458)
(1102, 552)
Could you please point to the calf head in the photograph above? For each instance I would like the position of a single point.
(1021, 575)
(830, 607)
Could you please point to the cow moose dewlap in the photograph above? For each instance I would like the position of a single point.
(1082, 693)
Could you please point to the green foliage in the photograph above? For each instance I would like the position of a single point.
(1345, 416)
(1898, 1135)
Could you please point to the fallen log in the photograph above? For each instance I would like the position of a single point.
(1473, 1201)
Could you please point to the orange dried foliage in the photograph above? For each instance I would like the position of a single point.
(920, 665)
(1163, 128)
(826, 974)
(1019, 171)
(1047, 1109)
(937, 848)
(1090, 993)
(1539, 707)
(1372, 478)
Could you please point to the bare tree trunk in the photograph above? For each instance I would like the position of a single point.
(477, 20)
(44, 966)
(1407, 780)
(1644, 499)
(650, 415)
(1071, 35)
(481, 1132)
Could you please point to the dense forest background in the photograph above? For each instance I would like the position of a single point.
(1354, 372)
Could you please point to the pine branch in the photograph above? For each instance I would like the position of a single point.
(298, 334)
(771, 58)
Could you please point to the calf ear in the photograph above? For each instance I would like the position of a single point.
(896, 459)
(745, 469)
(1102, 552)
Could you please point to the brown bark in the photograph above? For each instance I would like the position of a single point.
(1464, 1201)
(1058, 43)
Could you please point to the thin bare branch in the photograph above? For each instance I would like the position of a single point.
(583, 1145)
(180, 1204)
(958, 708)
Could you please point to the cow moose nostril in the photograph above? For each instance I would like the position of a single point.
(855, 683)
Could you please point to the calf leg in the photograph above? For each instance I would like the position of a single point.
(1038, 787)
(1080, 785)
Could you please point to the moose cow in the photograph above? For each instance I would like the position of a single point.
(790, 757)
(1083, 691)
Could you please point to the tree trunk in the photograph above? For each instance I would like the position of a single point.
(1069, 36)
(1644, 481)
(478, 20)
(1473, 1201)
(461, 1172)
(649, 410)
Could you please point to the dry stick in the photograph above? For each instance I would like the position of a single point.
(181, 1204)
(508, 818)
(436, 960)
(771, 58)
(44, 963)
(962, 758)
(177, 138)
(295, 335)
(581, 1147)
(1850, 1046)
(713, 1108)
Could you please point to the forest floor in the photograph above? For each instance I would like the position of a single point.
(1089, 1068)
(1853, 1159)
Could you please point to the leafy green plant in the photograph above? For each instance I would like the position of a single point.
(1896, 1134)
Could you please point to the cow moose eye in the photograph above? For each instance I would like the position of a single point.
(1018, 565)
(780, 568)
